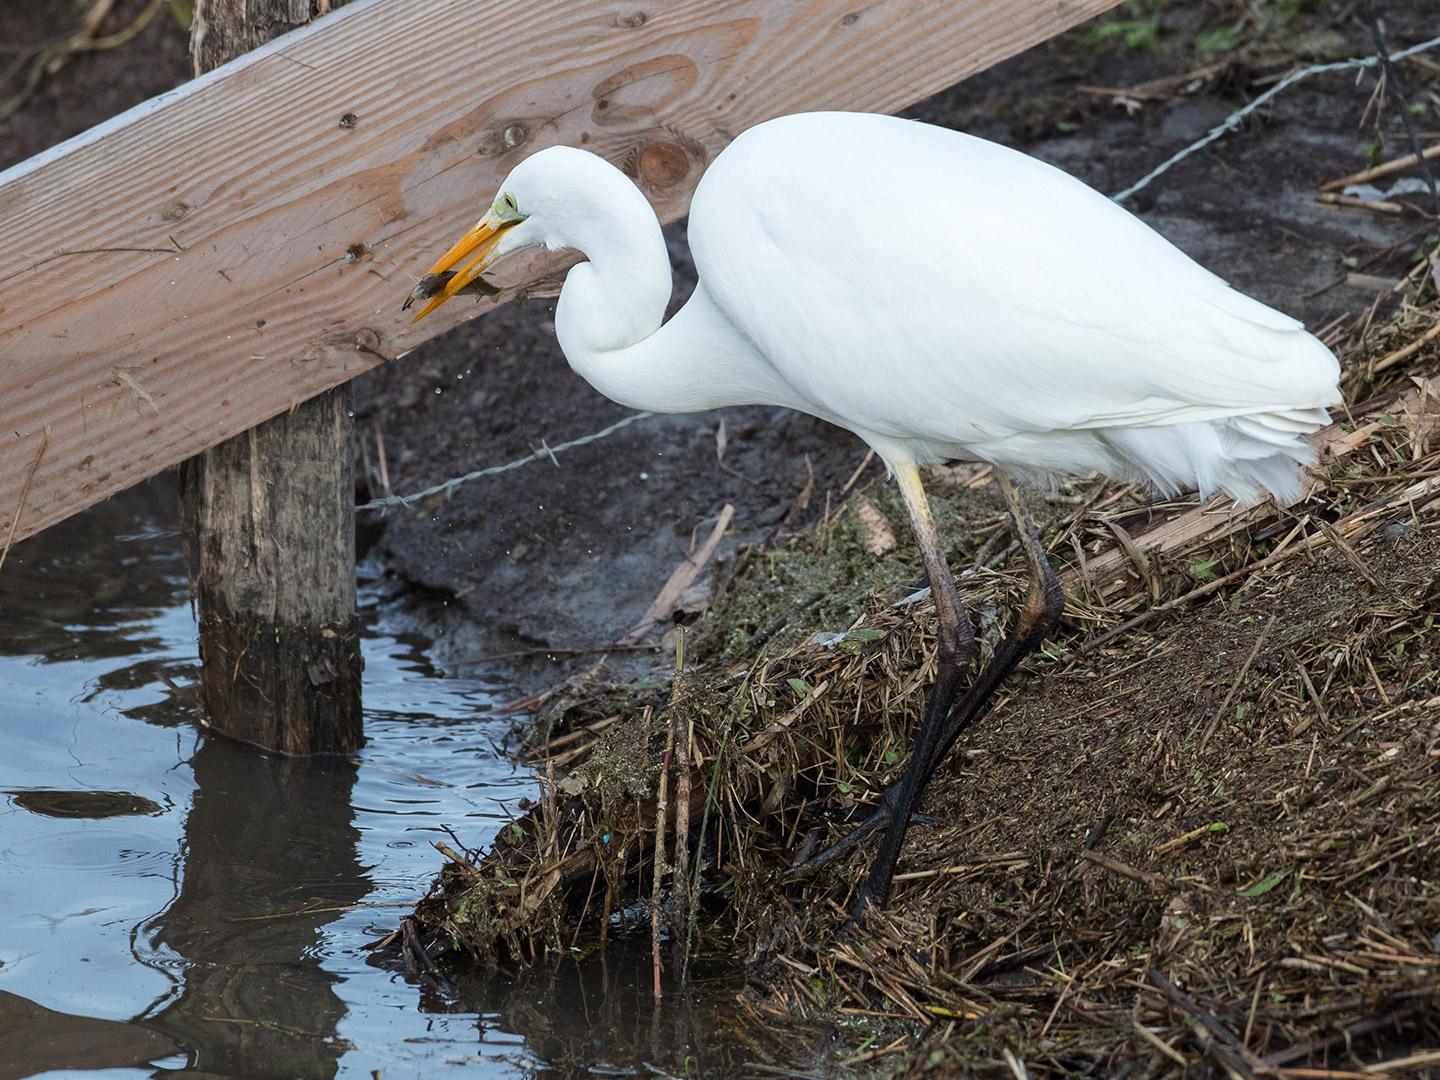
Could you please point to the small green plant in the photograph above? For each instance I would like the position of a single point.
(1216, 42)
(1138, 32)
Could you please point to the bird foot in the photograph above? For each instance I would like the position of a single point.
(855, 837)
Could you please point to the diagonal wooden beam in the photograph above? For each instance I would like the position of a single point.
(216, 255)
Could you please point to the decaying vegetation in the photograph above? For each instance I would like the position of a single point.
(1204, 828)
(1199, 835)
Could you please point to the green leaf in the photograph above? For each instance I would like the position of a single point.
(1204, 571)
(866, 635)
(1265, 884)
(800, 687)
(1216, 41)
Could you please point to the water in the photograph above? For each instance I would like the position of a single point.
(174, 903)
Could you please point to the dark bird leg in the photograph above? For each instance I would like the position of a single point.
(955, 653)
(1037, 619)
(1044, 604)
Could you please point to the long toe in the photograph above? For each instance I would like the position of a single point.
(847, 843)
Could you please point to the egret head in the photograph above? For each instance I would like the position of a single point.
(554, 199)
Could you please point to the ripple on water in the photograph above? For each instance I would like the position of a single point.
(79, 849)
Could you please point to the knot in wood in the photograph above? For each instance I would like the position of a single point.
(663, 164)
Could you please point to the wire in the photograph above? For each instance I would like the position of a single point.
(545, 451)
(1232, 122)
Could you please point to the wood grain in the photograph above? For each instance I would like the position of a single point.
(210, 258)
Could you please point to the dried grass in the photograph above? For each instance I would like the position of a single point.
(1201, 835)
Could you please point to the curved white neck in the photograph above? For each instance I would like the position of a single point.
(608, 321)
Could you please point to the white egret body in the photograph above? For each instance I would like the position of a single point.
(942, 297)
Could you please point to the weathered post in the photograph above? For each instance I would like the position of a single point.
(270, 523)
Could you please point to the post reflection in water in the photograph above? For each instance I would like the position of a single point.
(269, 853)
(176, 899)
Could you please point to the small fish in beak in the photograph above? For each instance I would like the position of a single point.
(432, 284)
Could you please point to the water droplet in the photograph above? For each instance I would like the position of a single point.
(644, 476)
(438, 390)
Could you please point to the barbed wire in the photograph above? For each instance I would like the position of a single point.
(546, 451)
(1231, 122)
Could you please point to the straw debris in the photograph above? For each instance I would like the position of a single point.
(1200, 832)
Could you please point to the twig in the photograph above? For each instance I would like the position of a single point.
(682, 730)
(421, 956)
(24, 491)
(1401, 355)
(1344, 1035)
(684, 575)
(1115, 866)
(1161, 1045)
(659, 856)
(1330, 198)
(1219, 1041)
(1348, 553)
(383, 459)
(1396, 90)
(1376, 172)
(1224, 708)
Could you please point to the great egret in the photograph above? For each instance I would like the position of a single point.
(942, 297)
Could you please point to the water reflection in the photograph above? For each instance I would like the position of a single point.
(246, 928)
(167, 890)
(34, 1039)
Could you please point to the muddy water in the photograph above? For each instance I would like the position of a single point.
(171, 902)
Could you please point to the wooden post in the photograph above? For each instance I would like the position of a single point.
(270, 524)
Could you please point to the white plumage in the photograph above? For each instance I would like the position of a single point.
(941, 296)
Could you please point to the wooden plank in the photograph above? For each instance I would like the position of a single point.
(215, 256)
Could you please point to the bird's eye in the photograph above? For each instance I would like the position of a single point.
(509, 201)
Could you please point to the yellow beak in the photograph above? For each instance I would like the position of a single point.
(477, 245)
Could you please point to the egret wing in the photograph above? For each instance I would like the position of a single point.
(914, 282)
